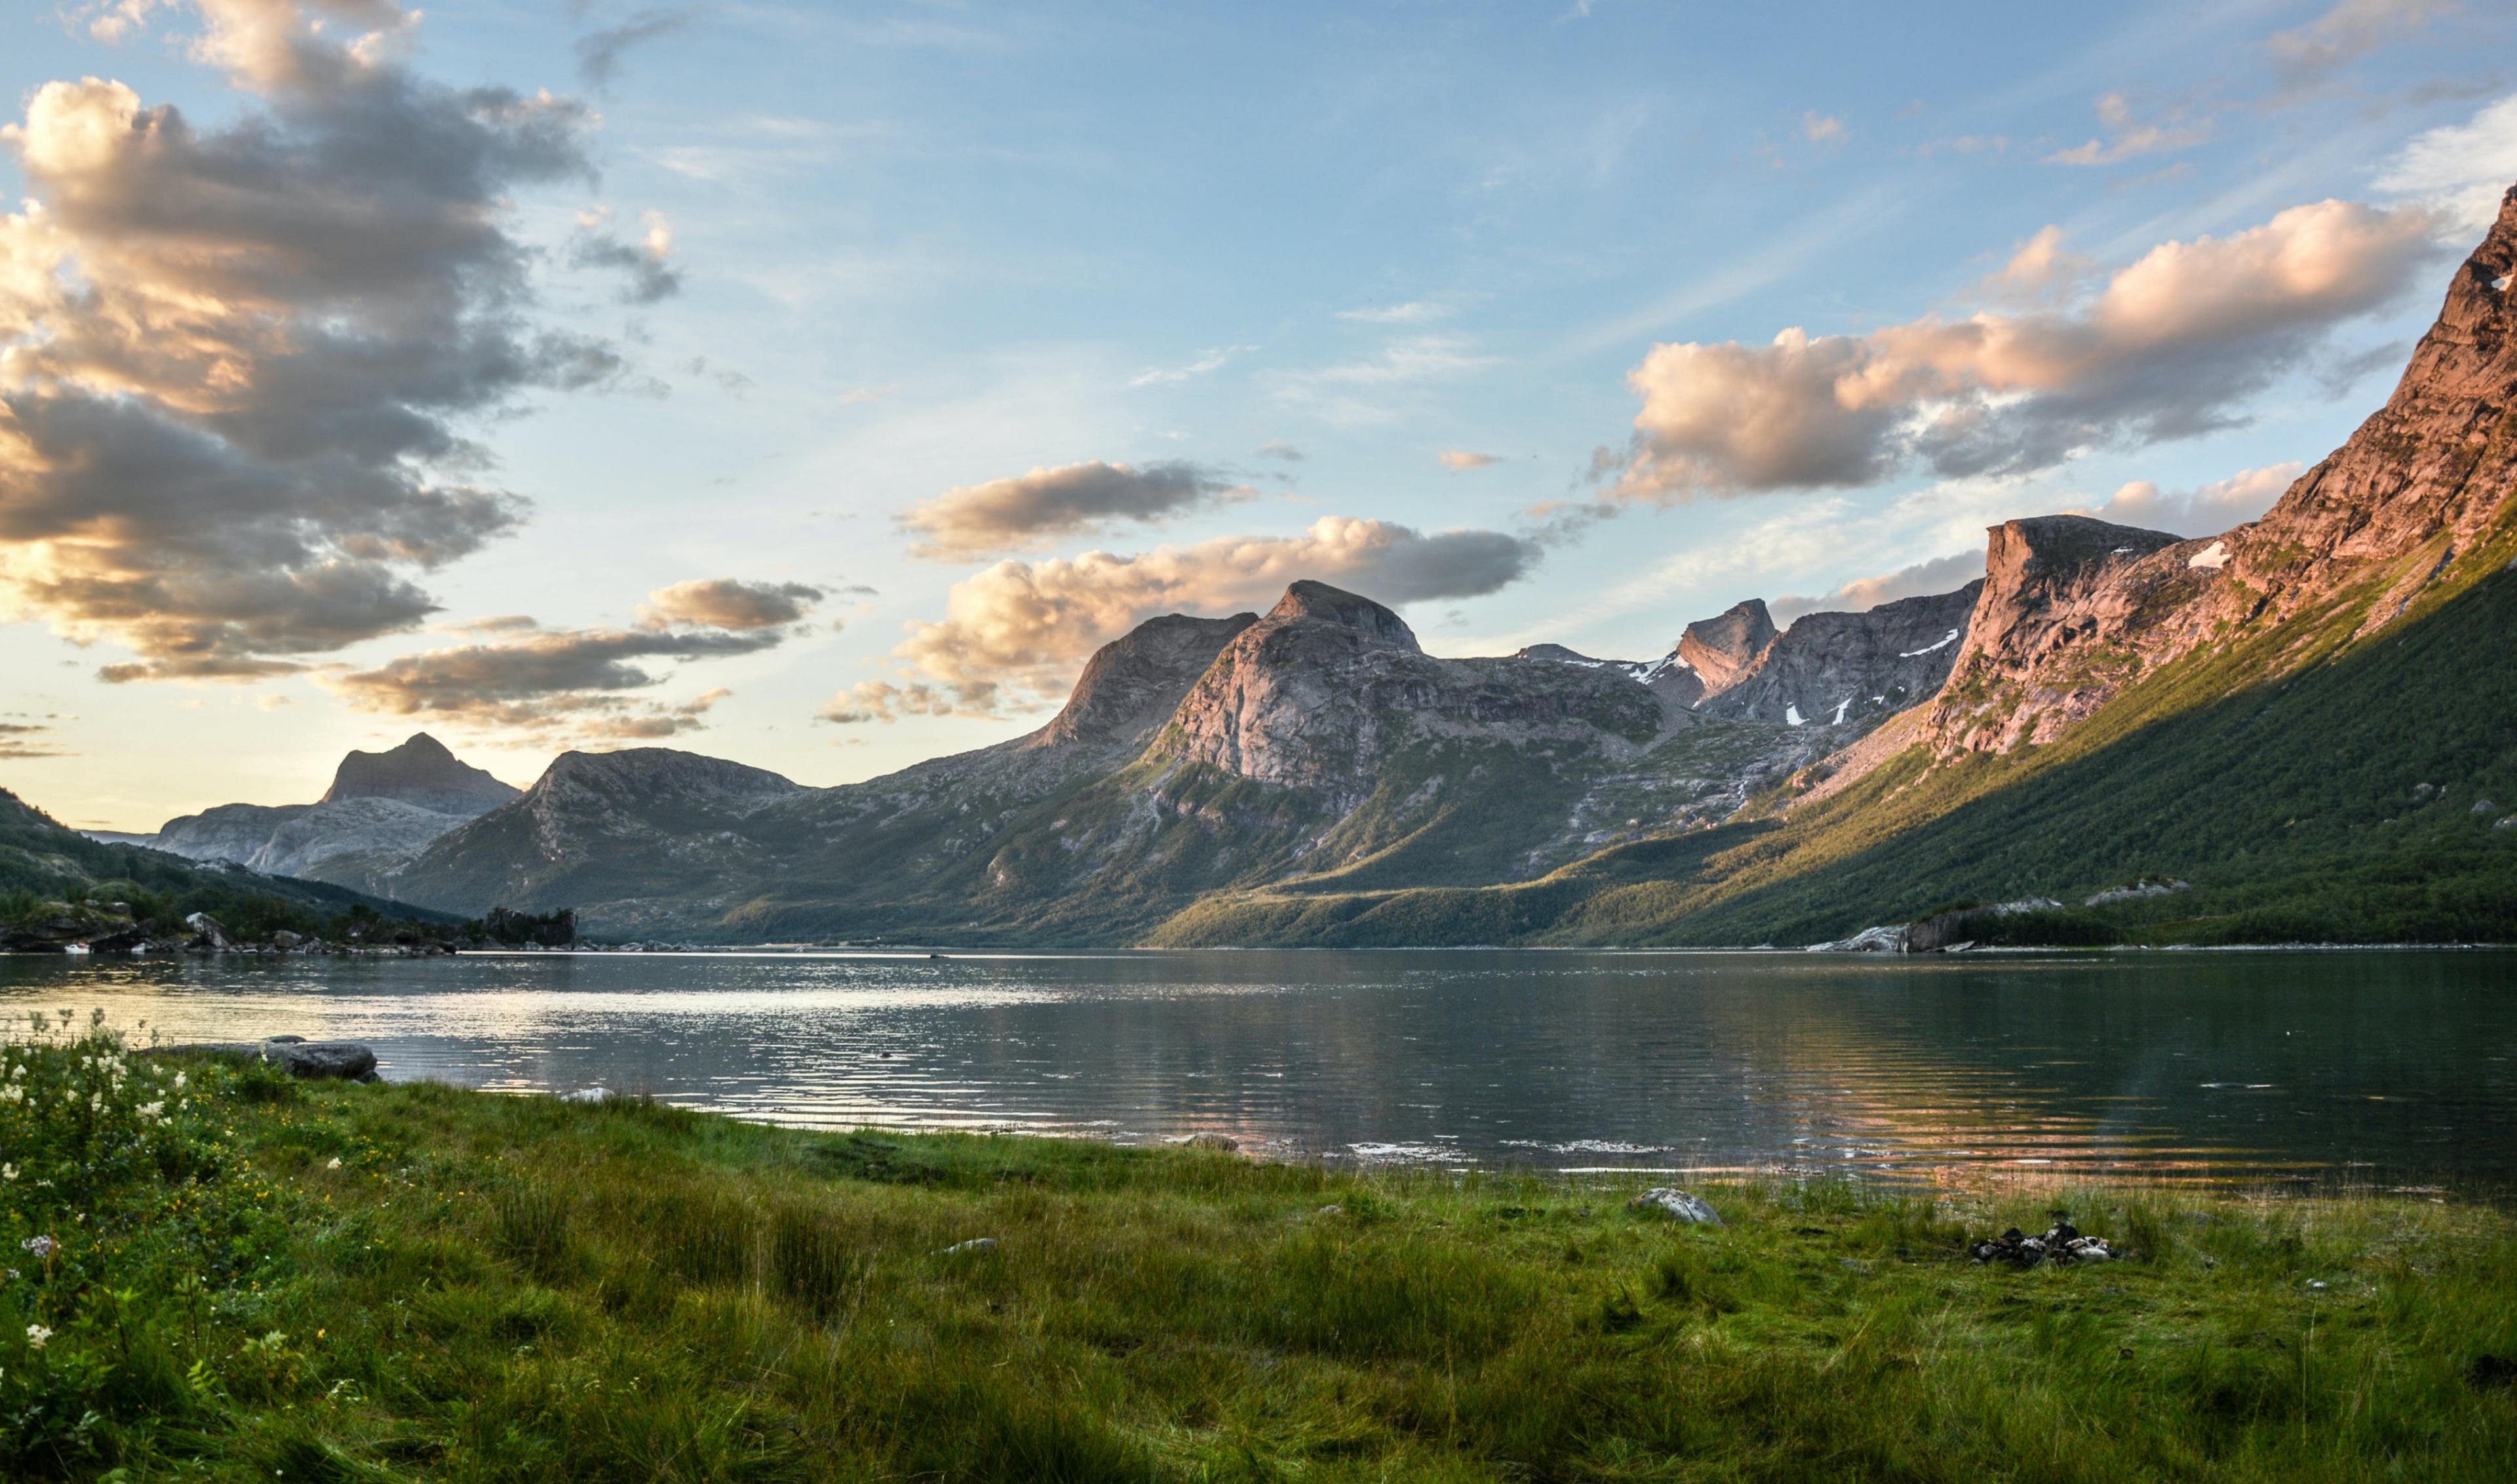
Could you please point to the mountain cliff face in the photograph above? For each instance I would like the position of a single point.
(1721, 650)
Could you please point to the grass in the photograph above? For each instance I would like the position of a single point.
(264, 1280)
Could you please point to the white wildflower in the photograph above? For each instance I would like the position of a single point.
(150, 1111)
(8, 1173)
(36, 1335)
(41, 1246)
(335, 1165)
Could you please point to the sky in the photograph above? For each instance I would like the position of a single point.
(818, 385)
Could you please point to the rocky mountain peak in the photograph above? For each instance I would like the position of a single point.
(420, 772)
(1722, 647)
(1833, 669)
(1324, 604)
(1135, 681)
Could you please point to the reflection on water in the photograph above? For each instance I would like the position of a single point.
(2378, 1067)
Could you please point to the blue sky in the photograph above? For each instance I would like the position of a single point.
(1278, 261)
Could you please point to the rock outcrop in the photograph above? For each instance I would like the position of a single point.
(1133, 684)
(1720, 649)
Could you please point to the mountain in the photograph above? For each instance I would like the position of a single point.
(420, 773)
(1316, 749)
(382, 809)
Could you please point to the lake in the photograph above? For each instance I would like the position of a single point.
(2385, 1069)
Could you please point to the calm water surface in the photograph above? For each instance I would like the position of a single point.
(2386, 1069)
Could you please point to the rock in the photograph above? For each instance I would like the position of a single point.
(314, 1060)
(1937, 934)
(2062, 1244)
(587, 1096)
(1720, 649)
(2484, 807)
(286, 941)
(1677, 1204)
(974, 1244)
(208, 932)
(1888, 939)
(1222, 1143)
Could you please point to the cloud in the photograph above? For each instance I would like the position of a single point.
(1823, 128)
(2462, 169)
(599, 52)
(1207, 362)
(2129, 139)
(2039, 267)
(22, 741)
(1939, 574)
(2204, 511)
(1416, 311)
(1014, 634)
(2170, 348)
(1028, 510)
(237, 361)
(1278, 449)
(728, 604)
(1366, 389)
(1458, 460)
(881, 701)
(577, 680)
(647, 262)
(2307, 53)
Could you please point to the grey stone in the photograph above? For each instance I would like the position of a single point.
(1676, 1203)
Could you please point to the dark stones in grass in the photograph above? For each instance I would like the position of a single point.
(2063, 1245)
(2491, 1373)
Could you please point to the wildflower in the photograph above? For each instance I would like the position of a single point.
(36, 1335)
(41, 1246)
(336, 1163)
(8, 1173)
(179, 1081)
(150, 1111)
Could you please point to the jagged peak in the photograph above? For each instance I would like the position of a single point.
(1720, 649)
(1321, 603)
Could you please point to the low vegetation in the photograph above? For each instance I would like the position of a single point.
(217, 1274)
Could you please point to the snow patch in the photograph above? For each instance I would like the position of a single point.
(1947, 639)
(1793, 715)
(2210, 557)
(1840, 707)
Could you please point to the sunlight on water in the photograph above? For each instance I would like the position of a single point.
(2374, 1069)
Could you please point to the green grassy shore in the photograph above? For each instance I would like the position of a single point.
(246, 1277)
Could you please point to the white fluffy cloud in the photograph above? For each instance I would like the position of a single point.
(2464, 168)
(2202, 511)
(1027, 511)
(1921, 579)
(1014, 634)
(237, 361)
(2168, 347)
